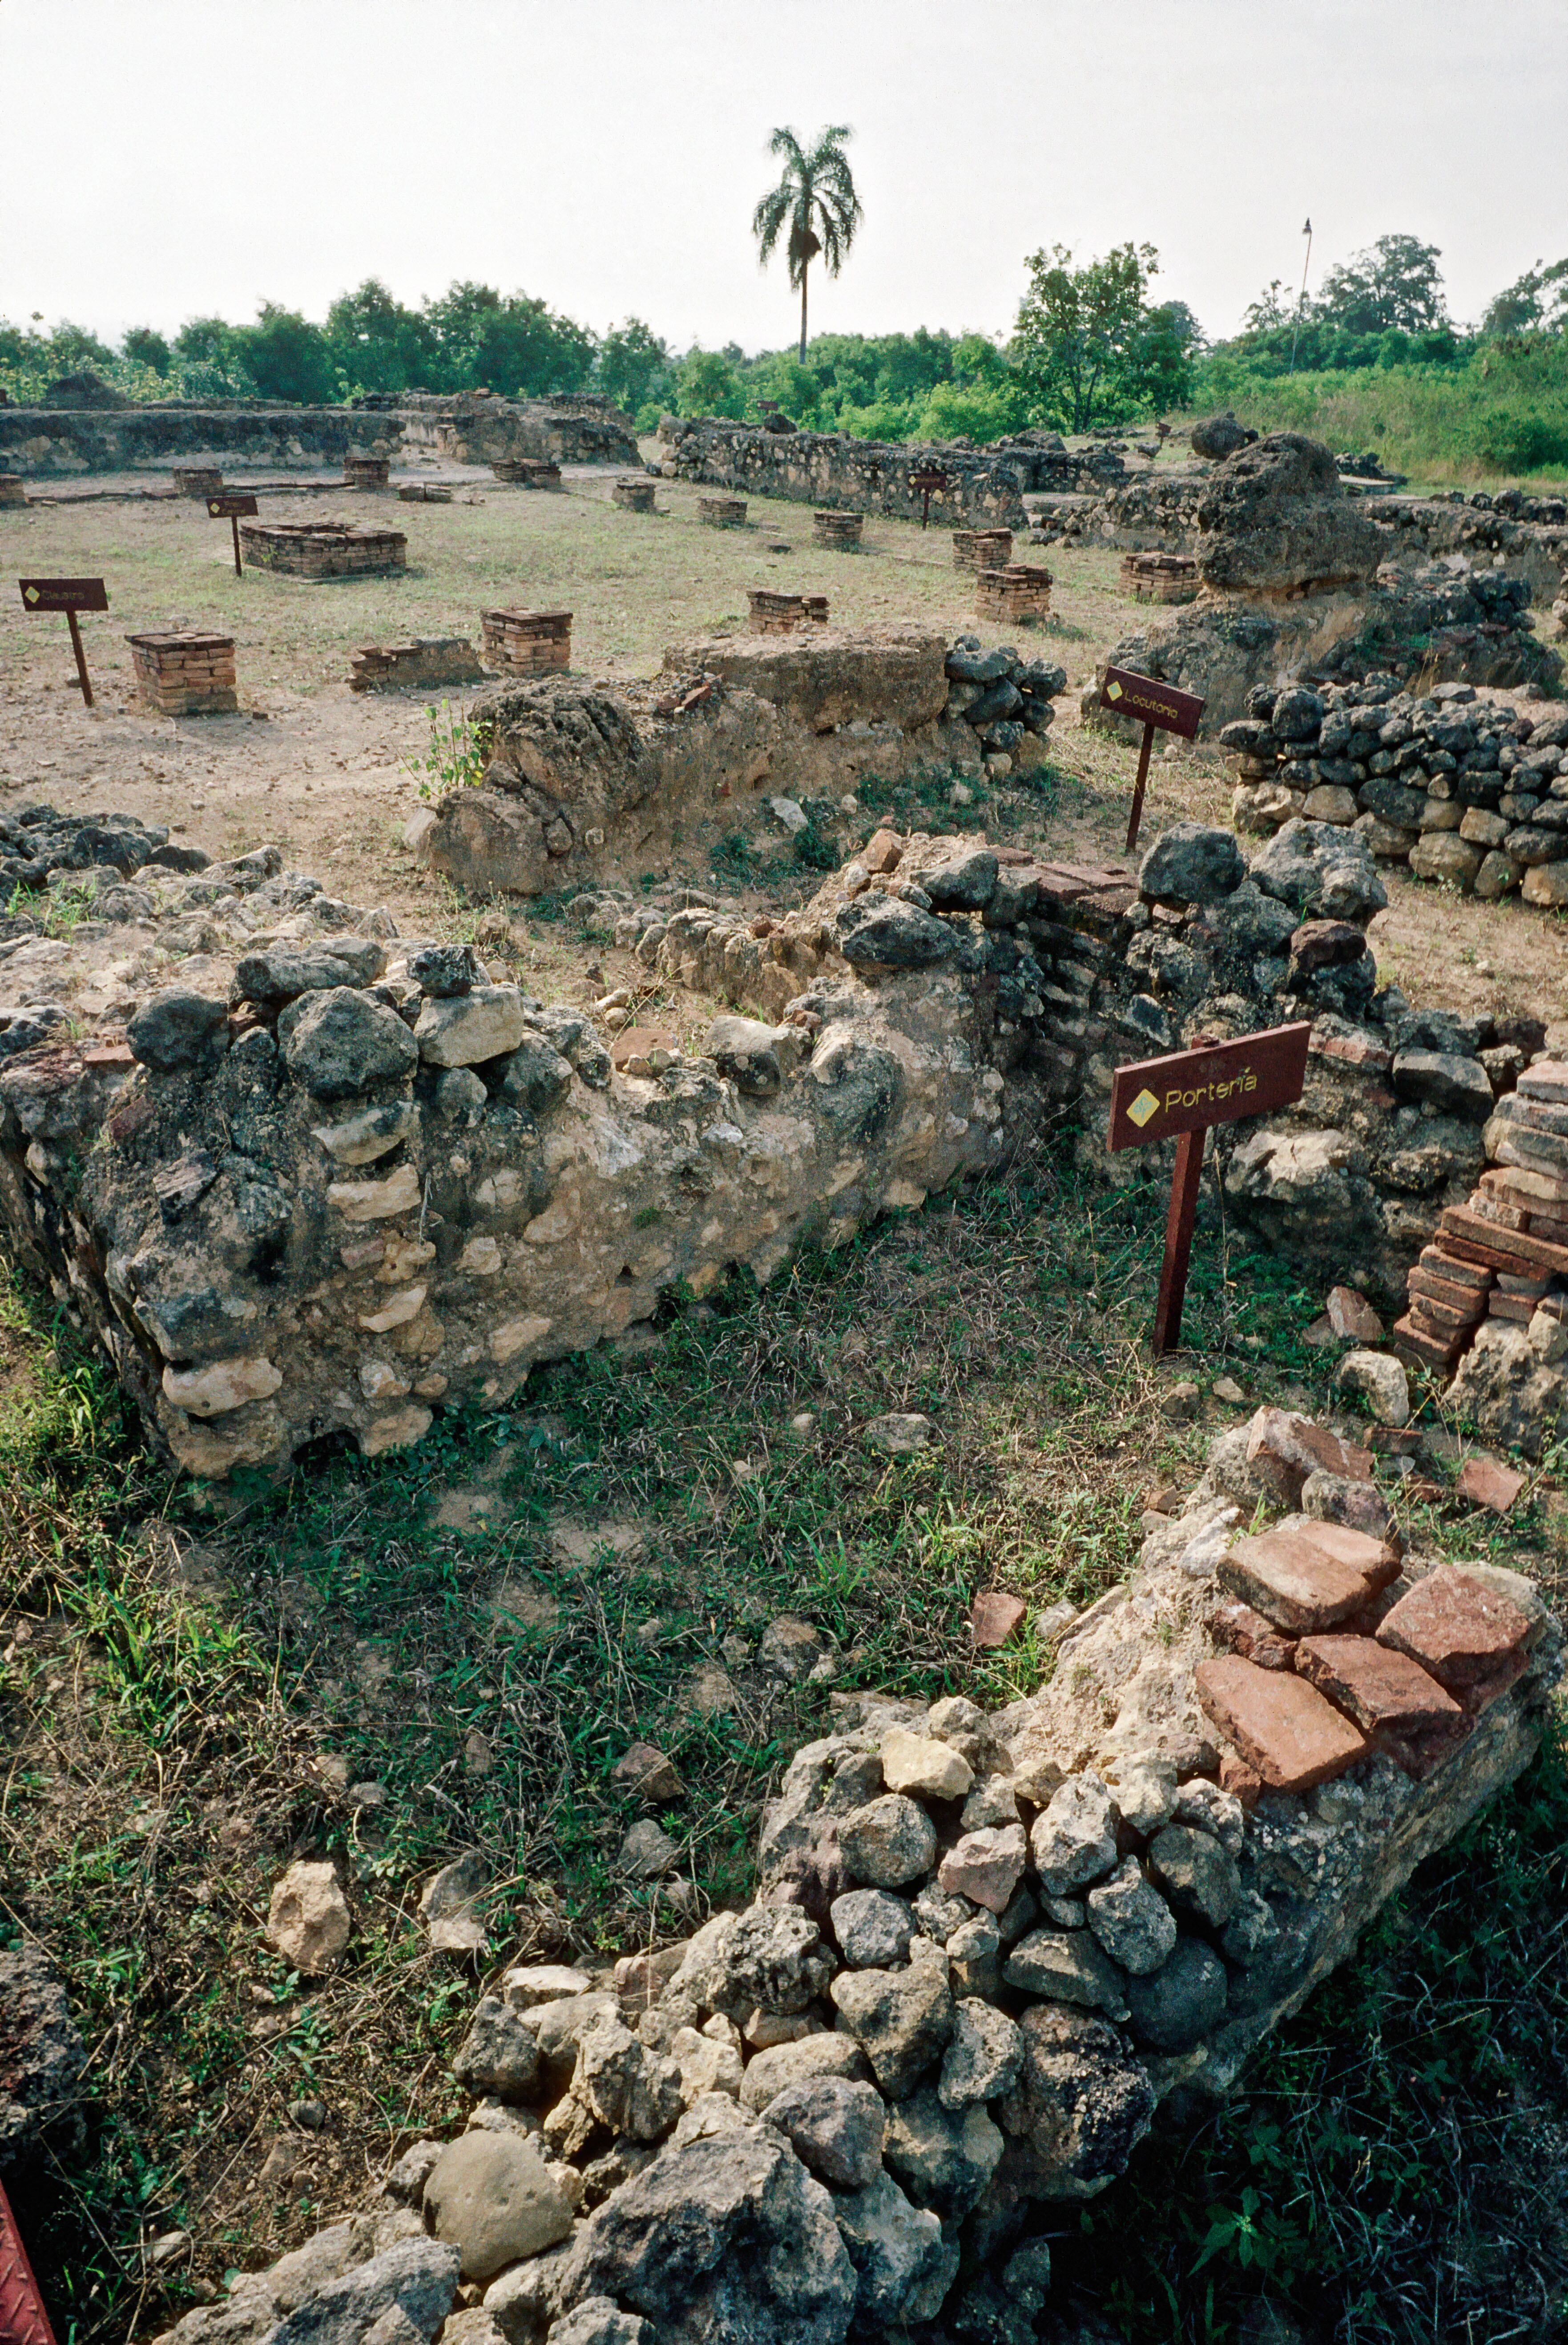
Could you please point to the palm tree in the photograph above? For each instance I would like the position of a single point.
(816, 201)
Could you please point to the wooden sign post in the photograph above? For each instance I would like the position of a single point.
(928, 483)
(70, 596)
(233, 506)
(1129, 693)
(1178, 1098)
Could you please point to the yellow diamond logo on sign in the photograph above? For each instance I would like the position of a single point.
(1142, 1108)
(1113, 692)
(32, 593)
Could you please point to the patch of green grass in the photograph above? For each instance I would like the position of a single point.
(480, 1625)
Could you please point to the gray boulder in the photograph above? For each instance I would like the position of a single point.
(1455, 1085)
(982, 2059)
(899, 2256)
(1068, 1966)
(957, 878)
(1316, 867)
(1074, 1837)
(888, 1841)
(599, 2321)
(836, 2125)
(441, 972)
(872, 1928)
(42, 2056)
(1196, 1873)
(284, 973)
(1182, 2002)
(1193, 863)
(417, 2278)
(492, 2197)
(499, 2053)
(901, 2019)
(724, 2237)
(773, 1959)
(1081, 2106)
(1132, 1920)
(537, 1077)
(748, 1052)
(179, 1033)
(942, 2158)
(338, 1043)
(1216, 436)
(881, 932)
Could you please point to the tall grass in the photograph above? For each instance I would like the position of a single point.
(1503, 416)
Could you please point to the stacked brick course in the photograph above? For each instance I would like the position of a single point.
(427, 660)
(423, 492)
(721, 512)
(770, 614)
(982, 549)
(836, 529)
(367, 472)
(527, 471)
(328, 549)
(13, 491)
(1020, 590)
(527, 642)
(1160, 577)
(185, 672)
(197, 480)
(633, 494)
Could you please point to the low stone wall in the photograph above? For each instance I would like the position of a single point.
(1468, 792)
(985, 1947)
(587, 783)
(318, 550)
(985, 485)
(45, 442)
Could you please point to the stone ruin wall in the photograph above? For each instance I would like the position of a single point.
(990, 1954)
(986, 485)
(46, 444)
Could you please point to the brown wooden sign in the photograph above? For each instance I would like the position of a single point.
(1155, 705)
(233, 505)
(64, 594)
(70, 596)
(1178, 1098)
(1150, 701)
(928, 481)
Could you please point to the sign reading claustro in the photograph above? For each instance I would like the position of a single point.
(64, 594)
(1159, 1098)
(1145, 698)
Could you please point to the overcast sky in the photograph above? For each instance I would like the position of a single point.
(165, 158)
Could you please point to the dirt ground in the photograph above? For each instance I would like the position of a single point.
(326, 773)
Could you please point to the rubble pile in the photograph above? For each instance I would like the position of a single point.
(985, 1947)
(1467, 791)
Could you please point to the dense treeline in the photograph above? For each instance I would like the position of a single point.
(1372, 359)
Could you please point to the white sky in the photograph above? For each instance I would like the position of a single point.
(162, 158)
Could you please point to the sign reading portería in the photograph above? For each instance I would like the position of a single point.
(1159, 1098)
(1177, 1099)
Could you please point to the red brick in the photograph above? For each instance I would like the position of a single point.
(1280, 1725)
(1236, 1627)
(1488, 1482)
(1463, 1630)
(1373, 1684)
(1460, 1223)
(1308, 1576)
(1428, 1350)
(992, 1618)
(1285, 1448)
(1351, 1314)
(1237, 1777)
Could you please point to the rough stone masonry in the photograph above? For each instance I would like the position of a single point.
(985, 1948)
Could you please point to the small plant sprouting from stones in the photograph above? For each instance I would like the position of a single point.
(457, 755)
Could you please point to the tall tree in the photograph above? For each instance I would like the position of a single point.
(1085, 343)
(1396, 283)
(816, 201)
